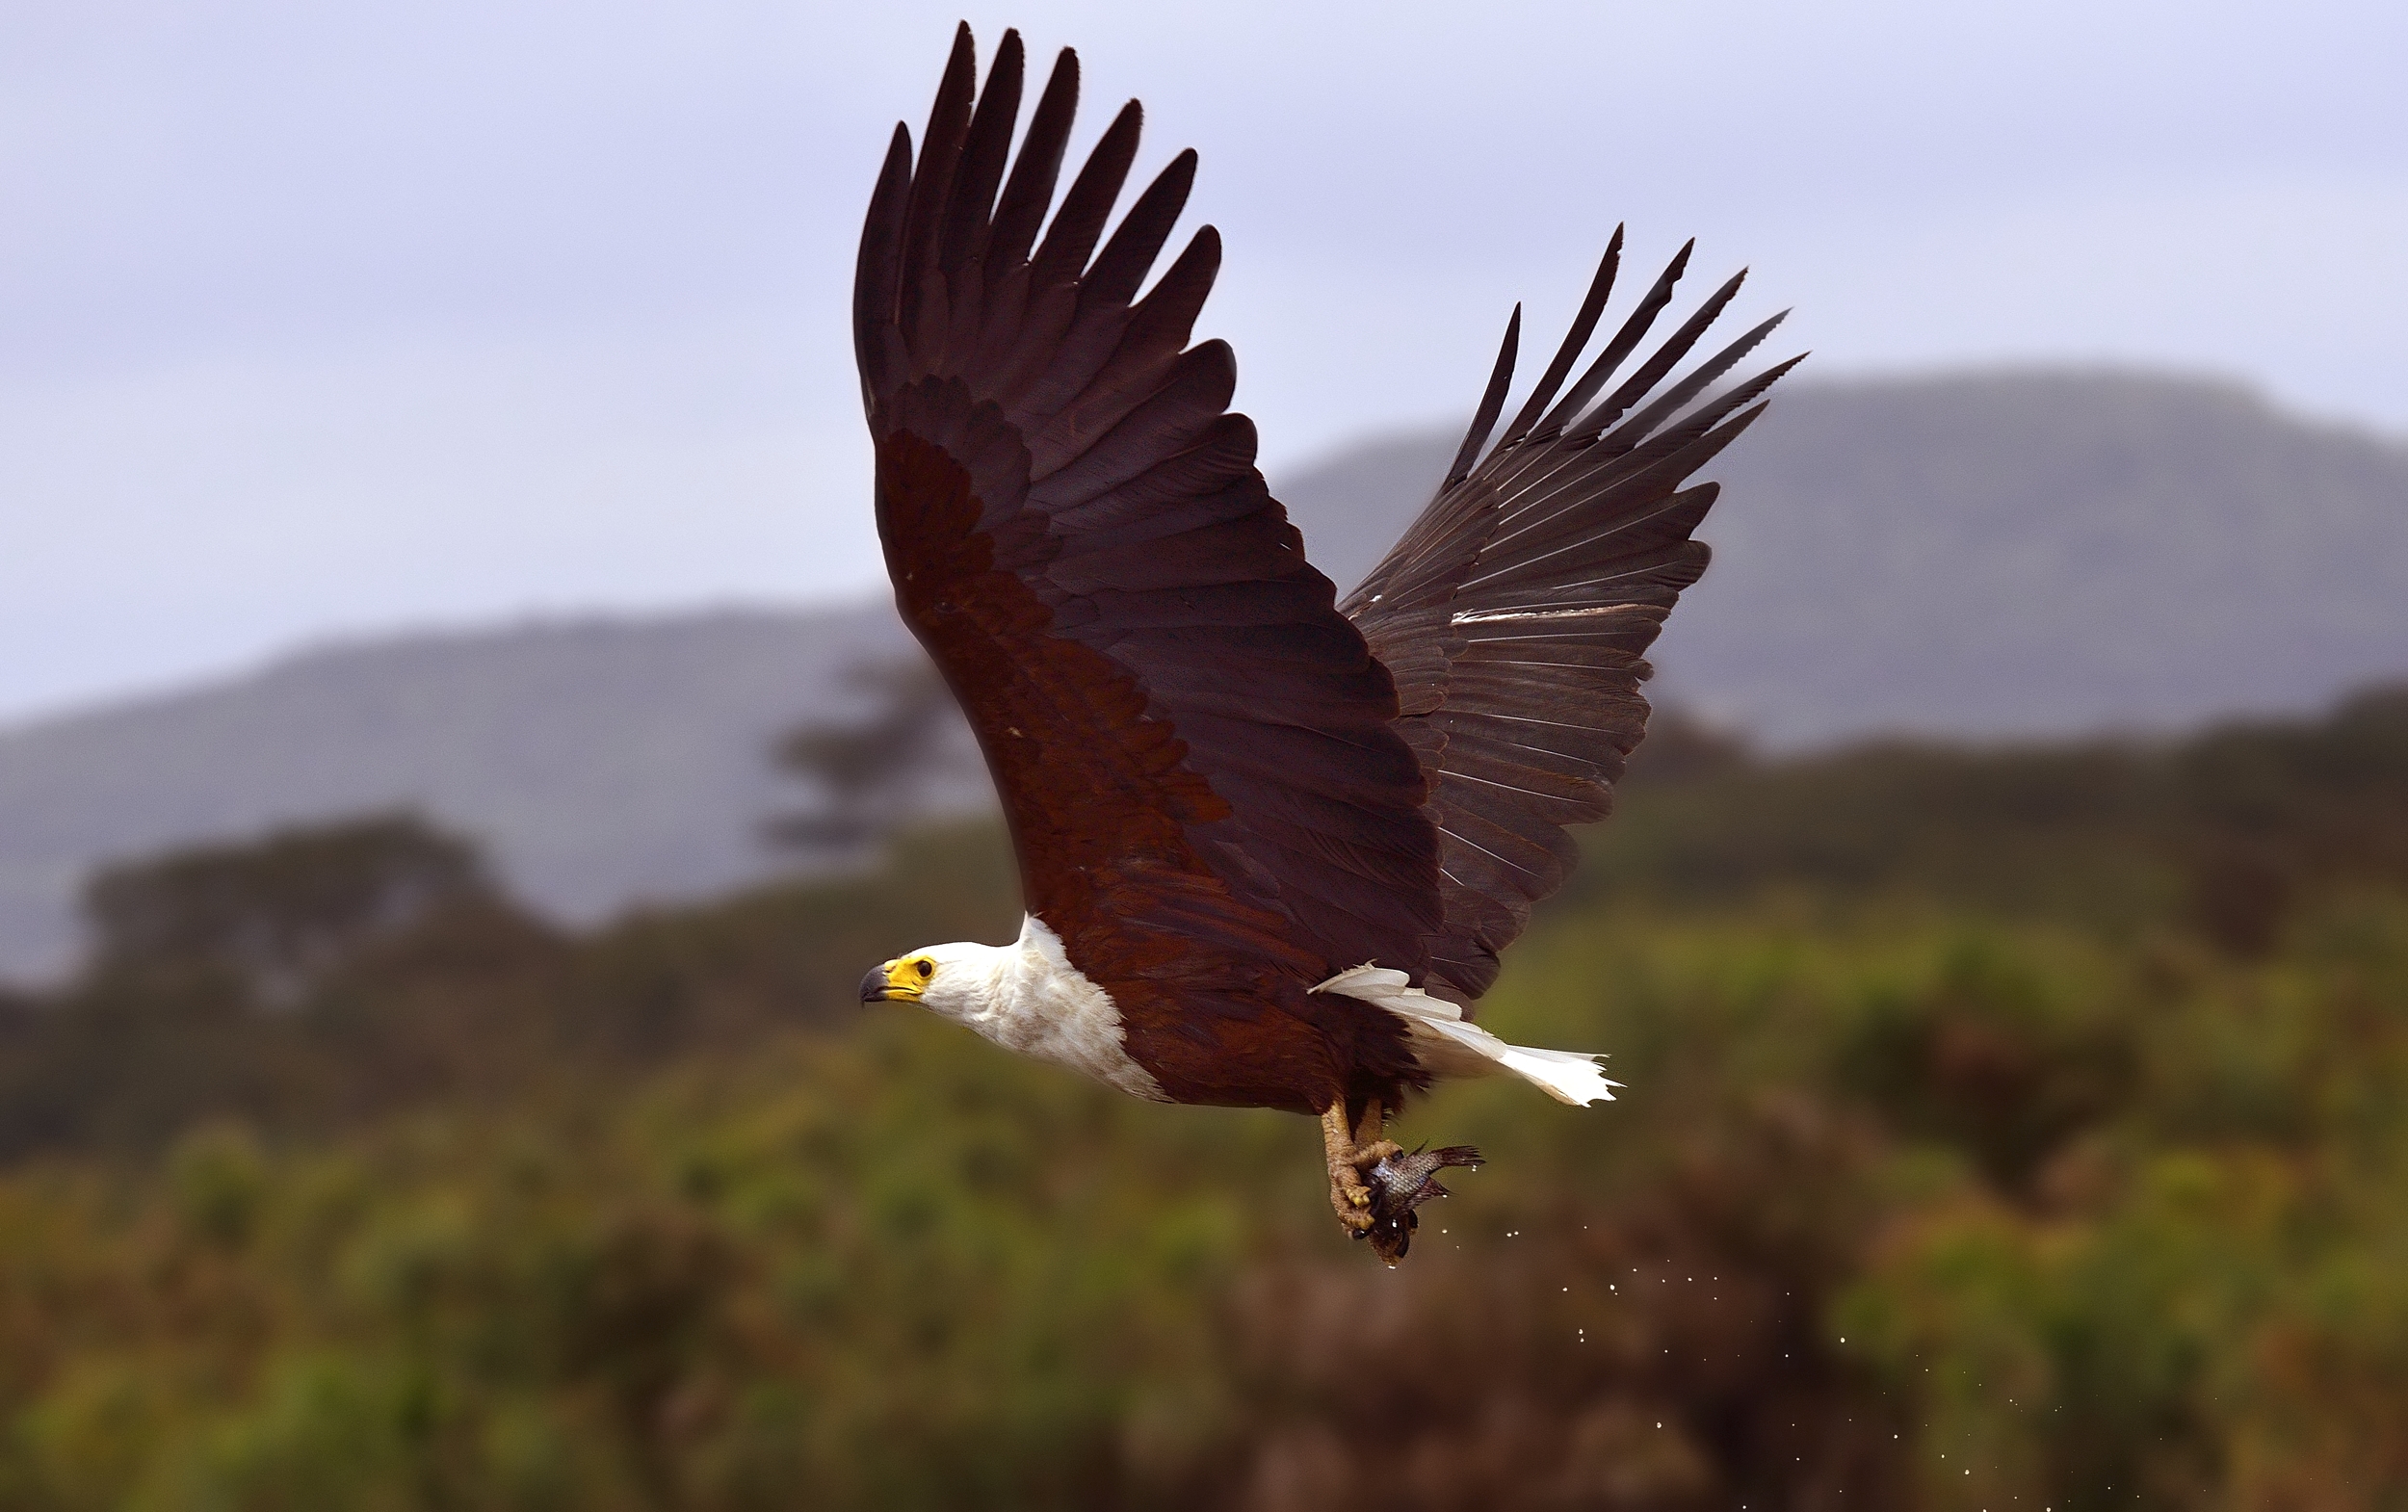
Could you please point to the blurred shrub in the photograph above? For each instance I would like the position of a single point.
(1931, 1186)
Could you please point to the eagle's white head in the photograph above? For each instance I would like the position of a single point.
(959, 981)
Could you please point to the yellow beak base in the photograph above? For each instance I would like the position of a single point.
(893, 983)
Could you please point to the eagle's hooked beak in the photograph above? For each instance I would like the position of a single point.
(895, 981)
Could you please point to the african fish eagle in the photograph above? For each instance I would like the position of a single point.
(1270, 844)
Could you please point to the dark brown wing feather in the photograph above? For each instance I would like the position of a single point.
(1516, 613)
(1198, 755)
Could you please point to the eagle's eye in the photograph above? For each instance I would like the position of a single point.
(926, 967)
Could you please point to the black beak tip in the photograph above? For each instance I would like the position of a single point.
(874, 985)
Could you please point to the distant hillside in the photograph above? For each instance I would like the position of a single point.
(603, 762)
(2029, 554)
(2002, 554)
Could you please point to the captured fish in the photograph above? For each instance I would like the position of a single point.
(1402, 1182)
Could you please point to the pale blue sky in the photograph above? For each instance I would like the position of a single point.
(324, 319)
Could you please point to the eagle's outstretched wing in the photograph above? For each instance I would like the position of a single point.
(1198, 755)
(1515, 612)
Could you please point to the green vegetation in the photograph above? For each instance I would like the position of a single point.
(2010, 1130)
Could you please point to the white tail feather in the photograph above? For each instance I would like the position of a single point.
(1448, 1047)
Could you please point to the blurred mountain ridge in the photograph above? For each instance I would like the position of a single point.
(1999, 554)
(1975, 556)
(603, 762)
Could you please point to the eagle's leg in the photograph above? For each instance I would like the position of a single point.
(1370, 1147)
(1347, 1191)
(1352, 1155)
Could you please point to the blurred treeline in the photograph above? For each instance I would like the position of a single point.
(2015, 1128)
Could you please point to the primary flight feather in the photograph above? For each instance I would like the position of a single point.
(1269, 844)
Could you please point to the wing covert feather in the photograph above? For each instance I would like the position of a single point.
(1516, 613)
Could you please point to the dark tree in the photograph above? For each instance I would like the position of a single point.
(276, 912)
(872, 772)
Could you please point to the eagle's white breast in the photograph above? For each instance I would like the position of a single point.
(1027, 997)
